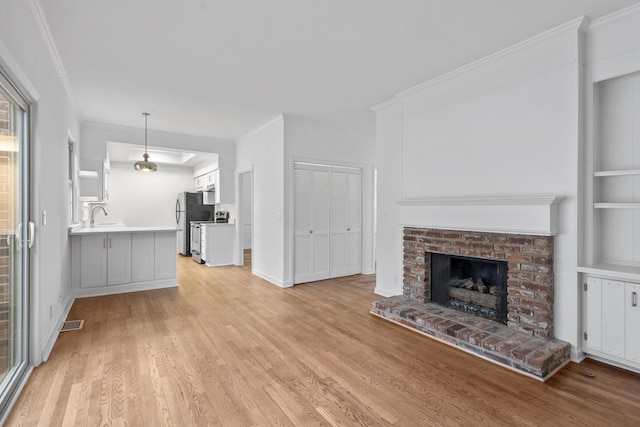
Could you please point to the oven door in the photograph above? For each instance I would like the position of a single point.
(195, 242)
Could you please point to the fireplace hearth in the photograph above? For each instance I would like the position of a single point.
(488, 276)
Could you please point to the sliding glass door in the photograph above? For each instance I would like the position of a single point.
(15, 239)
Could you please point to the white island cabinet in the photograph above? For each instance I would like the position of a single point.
(111, 260)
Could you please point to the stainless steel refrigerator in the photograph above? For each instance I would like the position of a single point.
(189, 207)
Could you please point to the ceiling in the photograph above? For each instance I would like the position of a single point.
(131, 153)
(221, 68)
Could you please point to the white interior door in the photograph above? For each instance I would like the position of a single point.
(354, 223)
(311, 223)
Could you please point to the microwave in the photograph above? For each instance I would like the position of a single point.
(208, 197)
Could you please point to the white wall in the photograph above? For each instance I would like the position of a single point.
(318, 142)
(263, 150)
(54, 119)
(145, 199)
(505, 126)
(246, 213)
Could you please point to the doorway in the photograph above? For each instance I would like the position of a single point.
(245, 217)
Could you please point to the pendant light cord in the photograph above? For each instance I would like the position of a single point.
(146, 115)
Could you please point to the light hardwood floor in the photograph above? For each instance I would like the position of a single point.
(227, 348)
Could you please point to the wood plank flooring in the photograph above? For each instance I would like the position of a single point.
(229, 349)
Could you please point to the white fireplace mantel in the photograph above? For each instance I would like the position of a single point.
(536, 215)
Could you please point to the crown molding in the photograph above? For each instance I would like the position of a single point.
(41, 22)
(615, 17)
(279, 117)
(10, 67)
(577, 24)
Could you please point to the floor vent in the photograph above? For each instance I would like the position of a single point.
(72, 325)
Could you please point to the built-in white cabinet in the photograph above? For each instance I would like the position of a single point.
(93, 270)
(165, 256)
(118, 258)
(142, 257)
(106, 259)
(612, 319)
(223, 183)
(104, 263)
(327, 222)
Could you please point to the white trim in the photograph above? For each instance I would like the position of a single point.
(615, 17)
(261, 127)
(505, 230)
(273, 280)
(18, 77)
(385, 292)
(38, 15)
(577, 24)
(54, 332)
(482, 201)
(125, 288)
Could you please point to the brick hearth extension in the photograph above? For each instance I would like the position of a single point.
(533, 356)
(526, 344)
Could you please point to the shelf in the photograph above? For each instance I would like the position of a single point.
(618, 173)
(612, 271)
(88, 174)
(616, 205)
(88, 199)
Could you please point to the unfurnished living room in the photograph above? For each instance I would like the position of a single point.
(319, 212)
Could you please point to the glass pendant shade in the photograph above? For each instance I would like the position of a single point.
(145, 165)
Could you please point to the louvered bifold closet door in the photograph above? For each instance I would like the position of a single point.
(311, 223)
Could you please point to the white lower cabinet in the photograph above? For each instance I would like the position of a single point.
(612, 319)
(164, 251)
(105, 259)
(104, 263)
(93, 267)
(142, 257)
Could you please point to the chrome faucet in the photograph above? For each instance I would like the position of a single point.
(93, 212)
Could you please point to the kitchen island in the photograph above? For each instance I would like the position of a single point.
(113, 259)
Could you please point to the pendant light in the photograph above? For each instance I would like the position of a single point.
(145, 165)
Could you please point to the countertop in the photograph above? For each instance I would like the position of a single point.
(118, 229)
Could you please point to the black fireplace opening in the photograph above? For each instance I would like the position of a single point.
(470, 285)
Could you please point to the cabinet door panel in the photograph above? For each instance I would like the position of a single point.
(165, 255)
(632, 322)
(594, 314)
(142, 257)
(93, 260)
(119, 259)
(613, 293)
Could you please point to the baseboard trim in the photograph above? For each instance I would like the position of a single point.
(55, 330)
(271, 279)
(123, 289)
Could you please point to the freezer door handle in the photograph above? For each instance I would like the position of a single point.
(177, 211)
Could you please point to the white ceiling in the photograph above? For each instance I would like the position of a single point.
(221, 68)
(130, 153)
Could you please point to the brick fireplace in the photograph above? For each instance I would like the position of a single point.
(526, 343)
(529, 278)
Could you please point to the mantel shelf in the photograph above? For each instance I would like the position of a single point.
(628, 172)
(616, 205)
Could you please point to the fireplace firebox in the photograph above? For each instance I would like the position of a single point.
(470, 285)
